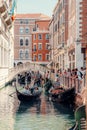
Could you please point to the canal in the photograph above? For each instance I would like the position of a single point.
(41, 115)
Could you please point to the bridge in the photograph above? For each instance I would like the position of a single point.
(22, 68)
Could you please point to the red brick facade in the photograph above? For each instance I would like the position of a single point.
(40, 42)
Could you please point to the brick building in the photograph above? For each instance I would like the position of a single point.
(40, 42)
(23, 28)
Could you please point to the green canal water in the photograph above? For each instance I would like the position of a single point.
(41, 115)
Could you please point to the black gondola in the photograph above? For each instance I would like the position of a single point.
(75, 127)
(80, 119)
(28, 97)
(64, 96)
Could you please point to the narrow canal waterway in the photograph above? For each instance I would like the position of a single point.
(41, 115)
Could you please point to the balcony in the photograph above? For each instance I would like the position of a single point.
(3, 6)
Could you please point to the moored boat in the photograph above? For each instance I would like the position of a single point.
(63, 95)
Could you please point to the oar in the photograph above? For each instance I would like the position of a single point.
(14, 92)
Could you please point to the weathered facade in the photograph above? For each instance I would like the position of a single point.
(60, 34)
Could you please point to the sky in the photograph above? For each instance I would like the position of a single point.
(36, 6)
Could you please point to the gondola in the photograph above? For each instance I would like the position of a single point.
(63, 95)
(80, 119)
(74, 127)
(28, 97)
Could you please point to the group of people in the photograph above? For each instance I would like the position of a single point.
(68, 78)
(75, 73)
(32, 81)
(74, 77)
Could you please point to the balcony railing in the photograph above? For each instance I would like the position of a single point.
(70, 82)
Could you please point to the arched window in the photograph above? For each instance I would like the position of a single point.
(26, 42)
(21, 30)
(21, 54)
(26, 54)
(21, 42)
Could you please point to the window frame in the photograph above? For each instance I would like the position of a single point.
(21, 54)
(38, 57)
(21, 30)
(28, 41)
(39, 36)
(48, 57)
(39, 46)
(22, 41)
(26, 57)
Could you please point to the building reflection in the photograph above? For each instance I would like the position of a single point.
(42, 106)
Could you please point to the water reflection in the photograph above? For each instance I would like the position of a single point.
(42, 114)
(24, 106)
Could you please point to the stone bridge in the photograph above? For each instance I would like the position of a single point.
(23, 68)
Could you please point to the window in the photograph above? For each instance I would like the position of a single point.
(21, 22)
(34, 48)
(47, 46)
(21, 54)
(27, 30)
(39, 36)
(47, 57)
(21, 42)
(26, 54)
(26, 42)
(39, 57)
(21, 30)
(39, 46)
(47, 36)
(34, 29)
